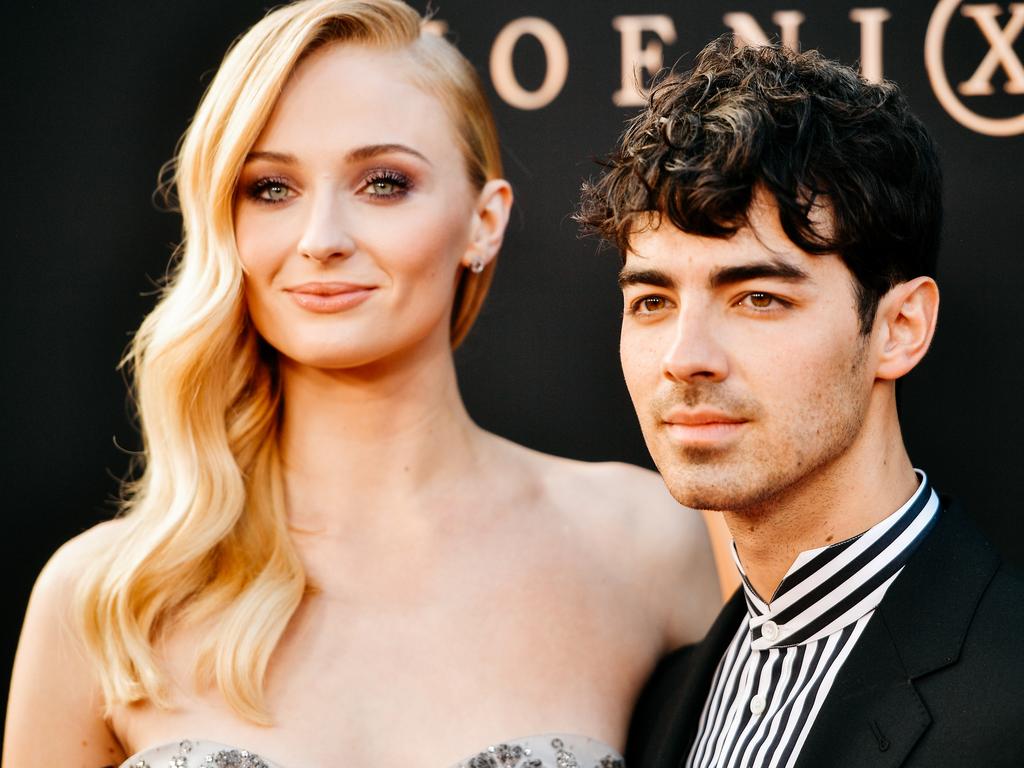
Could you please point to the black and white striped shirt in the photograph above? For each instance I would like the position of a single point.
(781, 664)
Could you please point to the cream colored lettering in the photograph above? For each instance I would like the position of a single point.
(934, 40)
(1000, 52)
(503, 72)
(638, 58)
(749, 32)
(871, 21)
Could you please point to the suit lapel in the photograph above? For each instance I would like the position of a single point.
(874, 715)
(676, 725)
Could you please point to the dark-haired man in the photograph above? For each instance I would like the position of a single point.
(779, 219)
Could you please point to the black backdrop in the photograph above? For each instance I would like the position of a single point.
(96, 95)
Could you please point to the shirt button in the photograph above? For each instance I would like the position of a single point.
(757, 704)
(770, 631)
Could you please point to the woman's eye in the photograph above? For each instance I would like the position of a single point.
(275, 192)
(383, 187)
(386, 185)
(270, 191)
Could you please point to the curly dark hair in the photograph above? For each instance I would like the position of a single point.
(808, 130)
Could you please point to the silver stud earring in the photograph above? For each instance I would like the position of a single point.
(476, 266)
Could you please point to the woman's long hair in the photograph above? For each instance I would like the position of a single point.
(206, 539)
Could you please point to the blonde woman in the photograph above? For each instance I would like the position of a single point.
(325, 562)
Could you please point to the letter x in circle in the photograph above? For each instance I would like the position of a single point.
(1000, 52)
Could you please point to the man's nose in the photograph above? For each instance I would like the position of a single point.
(696, 352)
(327, 233)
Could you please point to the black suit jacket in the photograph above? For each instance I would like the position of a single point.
(935, 680)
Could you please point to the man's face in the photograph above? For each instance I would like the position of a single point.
(744, 359)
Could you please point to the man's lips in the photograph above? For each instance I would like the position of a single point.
(702, 426)
(697, 418)
(327, 297)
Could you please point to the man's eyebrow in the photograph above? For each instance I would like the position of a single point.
(354, 156)
(653, 277)
(779, 270)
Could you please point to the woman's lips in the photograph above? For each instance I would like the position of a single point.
(329, 297)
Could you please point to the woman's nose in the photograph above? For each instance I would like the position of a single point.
(326, 234)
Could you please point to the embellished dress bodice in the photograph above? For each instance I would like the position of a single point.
(546, 751)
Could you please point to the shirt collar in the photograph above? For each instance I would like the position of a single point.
(828, 588)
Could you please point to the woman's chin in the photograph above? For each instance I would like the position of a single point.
(350, 355)
(332, 359)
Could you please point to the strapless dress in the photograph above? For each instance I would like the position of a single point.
(552, 750)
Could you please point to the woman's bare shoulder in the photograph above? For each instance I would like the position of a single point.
(49, 619)
(619, 502)
(76, 555)
(55, 710)
(661, 548)
(622, 496)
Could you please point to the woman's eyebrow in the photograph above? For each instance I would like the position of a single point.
(355, 155)
(372, 150)
(276, 157)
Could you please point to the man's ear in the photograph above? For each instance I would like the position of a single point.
(904, 326)
(490, 217)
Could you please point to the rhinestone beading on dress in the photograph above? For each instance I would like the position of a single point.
(563, 757)
(180, 760)
(515, 756)
(234, 758)
(541, 751)
(225, 758)
(503, 756)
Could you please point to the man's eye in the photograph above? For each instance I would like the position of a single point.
(648, 305)
(762, 301)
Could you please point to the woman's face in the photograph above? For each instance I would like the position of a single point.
(353, 213)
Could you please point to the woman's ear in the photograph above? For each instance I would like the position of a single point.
(490, 217)
(905, 323)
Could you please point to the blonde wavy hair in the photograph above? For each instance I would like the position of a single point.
(206, 538)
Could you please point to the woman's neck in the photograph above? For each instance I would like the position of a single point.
(372, 438)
